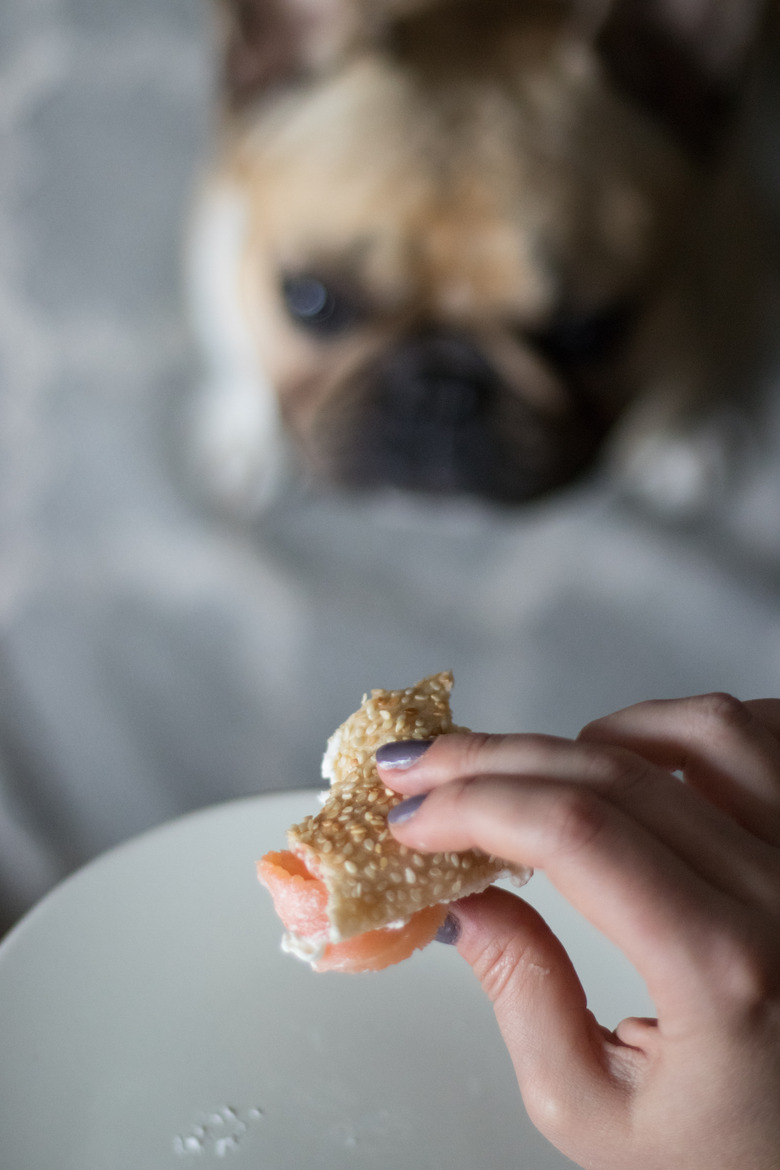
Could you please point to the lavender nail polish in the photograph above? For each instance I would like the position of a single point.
(402, 753)
(449, 931)
(406, 809)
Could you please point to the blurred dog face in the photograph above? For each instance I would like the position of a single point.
(458, 232)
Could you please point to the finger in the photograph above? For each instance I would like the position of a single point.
(662, 915)
(768, 712)
(708, 840)
(571, 1075)
(720, 745)
(414, 766)
(639, 1033)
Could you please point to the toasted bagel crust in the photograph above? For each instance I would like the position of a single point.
(372, 880)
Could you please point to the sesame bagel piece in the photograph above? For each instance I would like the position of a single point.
(371, 879)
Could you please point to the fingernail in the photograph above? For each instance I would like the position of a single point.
(449, 931)
(402, 753)
(406, 809)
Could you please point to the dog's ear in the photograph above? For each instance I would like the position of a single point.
(683, 60)
(268, 42)
(271, 42)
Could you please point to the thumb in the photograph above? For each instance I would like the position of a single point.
(573, 1074)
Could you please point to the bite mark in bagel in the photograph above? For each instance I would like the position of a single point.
(352, 897)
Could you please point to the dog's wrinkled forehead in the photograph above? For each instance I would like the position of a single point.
(483, 155)
(475, 161)
(483, 197)
(680, 60)
(458, 221)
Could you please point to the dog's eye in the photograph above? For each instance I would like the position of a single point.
(316, 306)
(583, 338)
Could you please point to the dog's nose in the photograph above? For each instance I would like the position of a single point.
(435, 416)
(430, 398)
(433, 397)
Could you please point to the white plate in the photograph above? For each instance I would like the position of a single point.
(149, 1021)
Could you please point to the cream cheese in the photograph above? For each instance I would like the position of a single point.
(332, 750)
(312, 950)
(307, 949)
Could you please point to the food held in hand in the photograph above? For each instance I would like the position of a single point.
(350, 896)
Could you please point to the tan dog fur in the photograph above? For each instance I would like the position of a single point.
(470, 182)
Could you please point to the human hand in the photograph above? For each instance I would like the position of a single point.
(683, 877)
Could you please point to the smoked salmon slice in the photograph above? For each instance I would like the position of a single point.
(301, 900)
(351, 897)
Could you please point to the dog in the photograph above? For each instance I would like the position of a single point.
(455, 246)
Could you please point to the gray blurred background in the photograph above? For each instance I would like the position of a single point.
(157, 657)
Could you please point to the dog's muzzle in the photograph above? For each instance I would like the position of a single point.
(435, 416)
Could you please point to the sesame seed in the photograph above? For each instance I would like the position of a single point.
(351, 828)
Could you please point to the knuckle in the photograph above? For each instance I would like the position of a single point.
(497, 964)
(474, 751)
(548, 1109)
(560, 1113)
(580, 816)
(722, 710)
(748, 963)
(595, 730)
(504, 967)
(616, 768)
